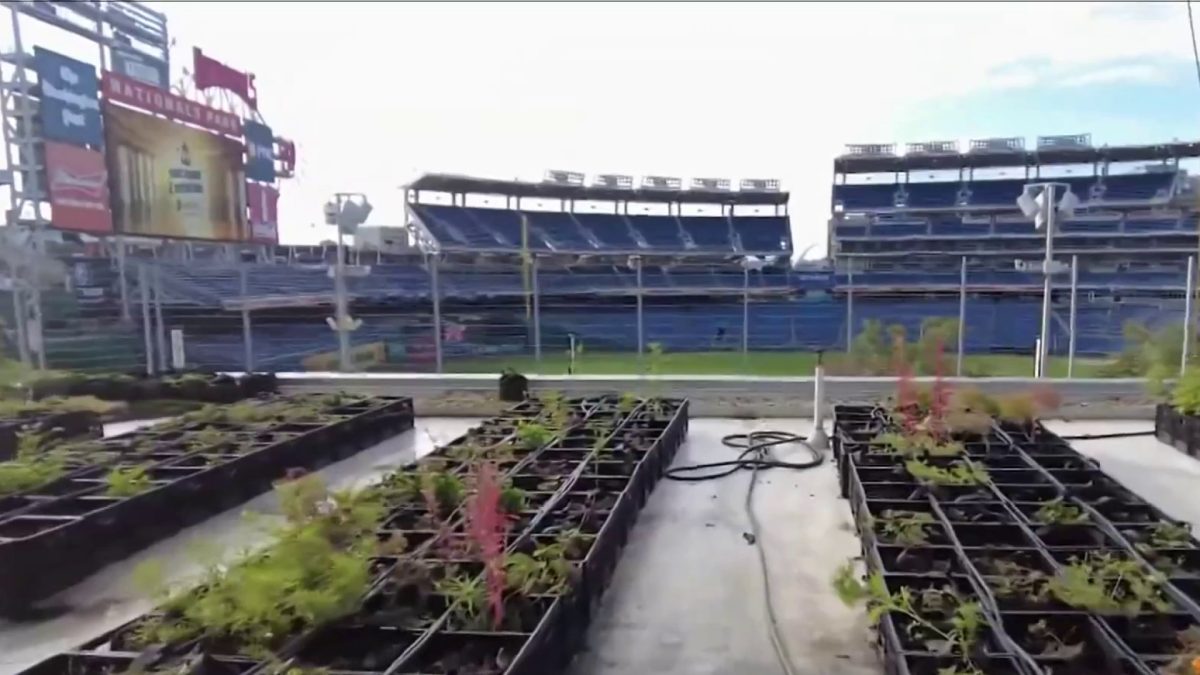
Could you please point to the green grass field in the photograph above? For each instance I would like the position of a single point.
(755, 363)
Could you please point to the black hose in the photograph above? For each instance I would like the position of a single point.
(1117, 434)
(756, 454)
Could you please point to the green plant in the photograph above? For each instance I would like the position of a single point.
(126, 481)
(1106, 583)
(1058, 512)
(1170, 535)
(917, 445)
(1186, 397)
(546, 571)
(627, 402)
(512, 499)
(954, 631)
(906, 528)
(208, 438)
(533, 435)
(467, 597)
(446, 488)
(1053, 645)
(958, 473)
(316, 571)
(32, 466)
(1012, 580)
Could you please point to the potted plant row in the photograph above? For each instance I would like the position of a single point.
(113, 496)
(1177, 420)
(488, 556)
(192, 386)
(992, 546)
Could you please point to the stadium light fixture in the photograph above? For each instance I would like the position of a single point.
(1040, 201)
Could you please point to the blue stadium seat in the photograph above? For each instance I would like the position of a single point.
(959, 228)
(1136, 187)
(932, 194)
(858, 197)
(457, 225)
(611, 230)
(561, 231)
(709, 234)
(763, 234)
(996, 192)
(899, 229)
(661, 232)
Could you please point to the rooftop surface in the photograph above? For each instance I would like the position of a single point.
(687, 596)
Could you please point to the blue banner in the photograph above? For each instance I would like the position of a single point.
(70, 99)
(141, 67)
(260, 152)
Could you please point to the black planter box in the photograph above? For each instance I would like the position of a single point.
(203, 387)
(972, 535)
(375, 640)
(44, 532)
(1177, 429)
(51, 426)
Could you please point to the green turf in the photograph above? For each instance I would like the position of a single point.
(755, 363)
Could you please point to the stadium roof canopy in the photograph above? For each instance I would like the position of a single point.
(461, 184)
(1009, 158)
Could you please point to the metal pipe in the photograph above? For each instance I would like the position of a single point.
(1049, 204)
(247, 328)
(341, 315)
(745, 310)
(18, 296)
(147, 339)
(161, 331)
(537, 313)
(1187, 313)
(849, 305)
(437, 312)
(1074, 315)
(641, 337)
(122, 281)
(962, 316)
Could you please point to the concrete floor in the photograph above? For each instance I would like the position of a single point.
(687, 597)
(109, 598)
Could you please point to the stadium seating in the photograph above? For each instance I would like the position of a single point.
(859, 197)
(763, 234)
(611, 231)
(1138, 186)
(709, 234)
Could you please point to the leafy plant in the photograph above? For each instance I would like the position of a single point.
(1105, 583)
(467, 596)
(316, 571)
(954, 635)
(917, 445)
(1058, 512)
(1053, 645)
(1012, 580)
(906, 528)
(126, 481)
(533, 435)
(31, 467)
(627, 402)
(546, 571)
(1186, 396)
(958, 473)
(512, 499)
(1170, 535)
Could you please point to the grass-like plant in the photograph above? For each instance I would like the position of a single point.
(1109, 584)
(1058, 512)
(906, 528)
(917, 444)
(126, 481)
(958, 473)
(533, 435)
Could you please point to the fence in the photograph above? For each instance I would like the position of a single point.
(452, 318)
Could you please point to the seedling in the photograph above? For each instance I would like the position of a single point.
(1107, 584)
(958, 473)
(906, 528)
(627, 402)
(917, 445)
(126, 481)
(1058, 512)
(1170, 535)
(467, 597)
(953, 636)
(533, 435)
(1052, 645)
(546, 571)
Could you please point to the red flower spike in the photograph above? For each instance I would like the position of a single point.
(488, 529)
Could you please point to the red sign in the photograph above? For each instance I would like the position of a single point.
(263, 201)
(78, 188)
(208, 72)
(125, 90)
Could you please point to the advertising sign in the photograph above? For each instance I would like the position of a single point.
(362, 356)
(141, 67)
(208, 72)
(169, 180)
(122, 89)
(263, 201)
(78, 188)
(70, 99)
(260, 152)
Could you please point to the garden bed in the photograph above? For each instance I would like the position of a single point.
(487, 557)
(84, 505)
(201, 387)
(1177, 429)
(1004, 550)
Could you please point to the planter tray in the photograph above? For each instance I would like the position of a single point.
(44, 531)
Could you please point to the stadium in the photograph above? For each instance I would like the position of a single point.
(517, 271)
(589, 423)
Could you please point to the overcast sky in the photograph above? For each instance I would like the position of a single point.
(377, 93)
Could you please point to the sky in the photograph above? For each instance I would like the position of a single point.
(377, 93)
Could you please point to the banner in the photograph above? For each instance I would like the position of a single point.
(263, 202)
(78, 188)
(169, 180)
(208, 72)
(260, 152)
(70, 99)
(125, 90)
(141, 67)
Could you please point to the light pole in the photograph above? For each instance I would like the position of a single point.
(1038, 201)
(346, 214)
